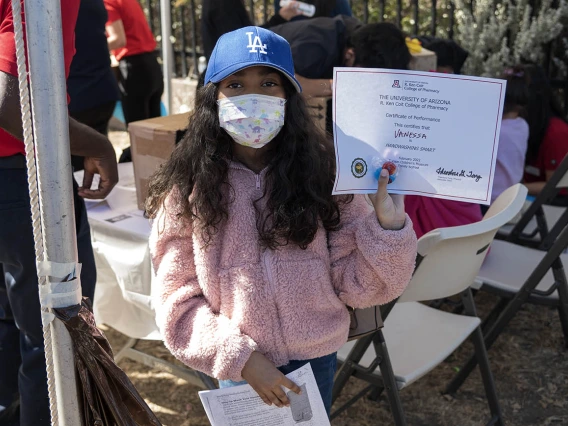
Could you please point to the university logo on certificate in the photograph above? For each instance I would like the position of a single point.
(440, 130)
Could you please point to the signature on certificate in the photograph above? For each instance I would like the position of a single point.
(462, 173)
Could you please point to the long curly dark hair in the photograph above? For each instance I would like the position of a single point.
(300, 173)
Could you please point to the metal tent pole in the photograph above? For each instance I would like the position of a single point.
(51, 130)
(167, 54)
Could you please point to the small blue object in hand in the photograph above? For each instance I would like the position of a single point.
(379, 164)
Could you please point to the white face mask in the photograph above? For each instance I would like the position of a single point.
(252, 120)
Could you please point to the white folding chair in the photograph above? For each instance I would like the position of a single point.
(420, 337)
(540, 223)
(551, 215)
(524, 269)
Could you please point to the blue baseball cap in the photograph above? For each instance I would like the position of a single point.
(249, 47)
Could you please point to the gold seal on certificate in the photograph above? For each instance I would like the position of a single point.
(440, 130)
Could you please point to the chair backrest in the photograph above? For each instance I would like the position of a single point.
(449, 259)
(558, 181)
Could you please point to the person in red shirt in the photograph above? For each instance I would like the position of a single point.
(22, 358)
(140, 79)
(548, 133)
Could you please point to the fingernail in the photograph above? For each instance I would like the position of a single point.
(384, 173)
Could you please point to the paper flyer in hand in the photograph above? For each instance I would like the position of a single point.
(440, 130)
(241, 405)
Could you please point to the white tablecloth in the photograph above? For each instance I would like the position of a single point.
(119, 232)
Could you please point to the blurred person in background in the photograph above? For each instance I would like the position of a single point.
(141, 81)
(450, 56)
(92, 85)
(548, 133)
(427, 213)
(222, 16)
(514, 134)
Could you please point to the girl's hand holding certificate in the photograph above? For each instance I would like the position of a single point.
(389, 208)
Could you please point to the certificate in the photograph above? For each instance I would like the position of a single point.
(440, 130)
(241, 405)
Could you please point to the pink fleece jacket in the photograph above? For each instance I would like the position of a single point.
(217, 305)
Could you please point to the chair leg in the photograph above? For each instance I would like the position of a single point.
(389, 380)
(487, 376)
(347, 368)
(562, 289)
(123, 353)
(490, 336)
(563, 314)
(494, 314)
(375, 393)
(349, 403)
(481, 356)
(563, 305)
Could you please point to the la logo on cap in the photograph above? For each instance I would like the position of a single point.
(255, 44)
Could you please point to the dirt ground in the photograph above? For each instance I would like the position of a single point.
(529, 362)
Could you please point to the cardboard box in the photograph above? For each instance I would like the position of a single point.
(424, 60)
(152, 143)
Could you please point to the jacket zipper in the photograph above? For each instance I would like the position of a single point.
(256, 176)
(270, 278)
(266, 262)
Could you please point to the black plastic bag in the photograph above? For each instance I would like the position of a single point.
(107, 396)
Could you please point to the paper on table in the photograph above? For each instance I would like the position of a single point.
(241, 405)
(119, 209)
(441, 130)
(123, 195)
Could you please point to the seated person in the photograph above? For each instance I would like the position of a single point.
(432, 213)
(450, 56)
(548, 133)
(514, 135)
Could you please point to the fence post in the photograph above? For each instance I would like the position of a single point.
(415, 17)
(452, 19)
(194, 38)
(150, 15)
(434, 14)
(167, 60)
(183, 53)
(251, 7)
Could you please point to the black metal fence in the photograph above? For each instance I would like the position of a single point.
(418, 17)
(435, 17)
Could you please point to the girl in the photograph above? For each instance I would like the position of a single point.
(548, 134)
(514, 135)
(255, 259)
